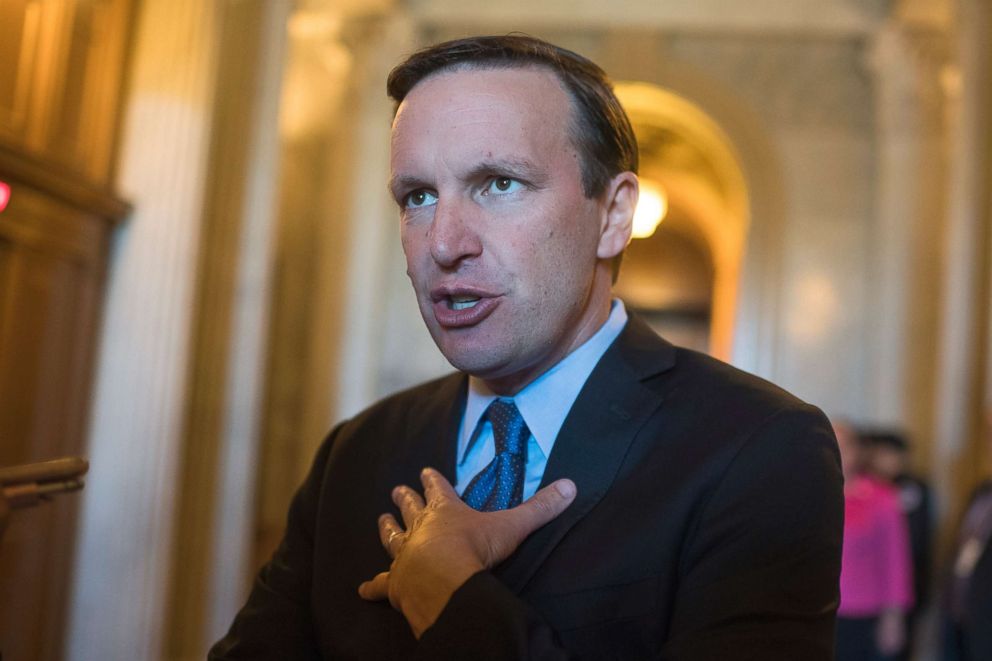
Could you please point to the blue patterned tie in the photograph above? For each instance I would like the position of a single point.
(500, 485)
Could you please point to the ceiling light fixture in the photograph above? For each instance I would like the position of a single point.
(652, 205)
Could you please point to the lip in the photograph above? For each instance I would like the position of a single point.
(448, 318)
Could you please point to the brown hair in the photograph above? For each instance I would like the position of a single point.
(600, 129)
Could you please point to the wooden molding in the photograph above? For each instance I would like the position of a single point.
(16, 166)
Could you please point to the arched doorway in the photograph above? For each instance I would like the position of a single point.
(684, 278)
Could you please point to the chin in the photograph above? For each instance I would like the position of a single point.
(479, 362)
(470, 362)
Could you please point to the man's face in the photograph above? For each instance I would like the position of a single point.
(887, 461)
(504, 250)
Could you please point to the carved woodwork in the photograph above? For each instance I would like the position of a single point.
(61, 72)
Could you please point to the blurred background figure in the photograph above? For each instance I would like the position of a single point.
(888, 457)
(967, 603)
(876, 588)
(978, 606)
(968, 587)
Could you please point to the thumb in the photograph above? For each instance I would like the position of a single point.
(543, 506)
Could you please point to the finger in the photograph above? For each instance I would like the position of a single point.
(390, 534)
(542, 507)
(409, 502)
(377, 589)
(436, 485)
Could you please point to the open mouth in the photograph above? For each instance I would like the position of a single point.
(462, 302)
(460, 309)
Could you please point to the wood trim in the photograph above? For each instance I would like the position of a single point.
(18, 166)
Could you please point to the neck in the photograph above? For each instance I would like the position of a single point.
(597, 312)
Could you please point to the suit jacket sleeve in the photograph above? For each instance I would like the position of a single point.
(276, 621)
(759, 576)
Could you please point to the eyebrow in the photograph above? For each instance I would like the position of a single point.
(398, 183)
(509, 166)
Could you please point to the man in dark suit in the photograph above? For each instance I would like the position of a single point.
(593, 492)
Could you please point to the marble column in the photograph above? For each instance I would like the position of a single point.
(904, 242)
(211, 564)
(117, 609)
(373, 228)
(962, 386)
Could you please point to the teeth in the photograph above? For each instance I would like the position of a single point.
(463, 302)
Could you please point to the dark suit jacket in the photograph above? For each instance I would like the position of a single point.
(707, 526)
(979, 608)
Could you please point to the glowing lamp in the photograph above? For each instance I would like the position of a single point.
(652, 205)
(4, 195)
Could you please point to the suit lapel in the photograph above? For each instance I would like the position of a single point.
(611, 408)
(429, 436)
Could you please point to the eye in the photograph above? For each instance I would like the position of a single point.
(502, 186)
(420, 198)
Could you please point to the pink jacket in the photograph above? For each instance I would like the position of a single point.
(876, 572)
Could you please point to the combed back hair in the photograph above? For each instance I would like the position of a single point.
(600, 129)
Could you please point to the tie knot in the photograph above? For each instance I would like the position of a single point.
(509, 429)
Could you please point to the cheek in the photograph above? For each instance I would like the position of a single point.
(413, 245)
(415, 269)
(570, 245)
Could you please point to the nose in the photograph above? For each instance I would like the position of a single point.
(453, 234)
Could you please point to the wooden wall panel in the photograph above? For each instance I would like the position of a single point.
(61, 72)
(62, 65)
(19, 23)
(48, 290)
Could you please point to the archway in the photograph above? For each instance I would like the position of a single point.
(685, 277)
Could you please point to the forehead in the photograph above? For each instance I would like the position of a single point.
(491, 109)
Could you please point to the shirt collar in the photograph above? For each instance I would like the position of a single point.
(545, 402)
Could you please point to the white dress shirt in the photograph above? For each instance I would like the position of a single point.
(544, 404)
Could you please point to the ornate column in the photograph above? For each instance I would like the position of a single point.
(905, 239)
(376, 267)
(117, 611)
(962, 381)
(211, 564)
(335, 240)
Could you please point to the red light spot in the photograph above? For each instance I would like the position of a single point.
(4, 195)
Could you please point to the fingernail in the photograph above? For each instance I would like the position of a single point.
(565, 488)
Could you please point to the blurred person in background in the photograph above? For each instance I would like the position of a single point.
(967, 602)
(888, 458)
(970, 577)
(978, 605)
(876, 588)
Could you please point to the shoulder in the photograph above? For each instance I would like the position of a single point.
(708, 387)
(720, 397)
(417, 401)
(729, 431)
(397, 421)
(698, 371)
(410, 411)
(710, 413)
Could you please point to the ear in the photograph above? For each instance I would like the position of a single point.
(620, 199)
